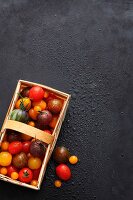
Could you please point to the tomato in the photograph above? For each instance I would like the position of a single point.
(23, 102)
(14, 175)
(31, 123)
(4, 146)
(15, 147)
(5, 158)
(34, 163)
(33, 114)
(25, 175)
(34, 182)
(25, 92)
(36, 173)
(3, 170)
(46, 94)
(41, 103)
(51, 96)
(37, 109)
(63, 172)
(57, 183)
(47, 131)
(36, 93)
(26, 146)
(53, 122)
(73, 160)
(55, 105)
(25, 137)
(11, 169)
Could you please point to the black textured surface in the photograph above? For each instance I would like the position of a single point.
(83, 47)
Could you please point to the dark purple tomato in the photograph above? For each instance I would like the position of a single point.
(25, 92)
(61, 154)
(44, 118)
(37, 148)
(13, 136)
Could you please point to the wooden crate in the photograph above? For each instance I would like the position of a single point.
(34, 132)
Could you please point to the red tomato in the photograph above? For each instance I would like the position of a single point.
(26, 146)
(11, 169)
(47, 131)
(36, 93)
(25, 175)
(51, 96)
(63, 172)
(36, 173)
(15, 147)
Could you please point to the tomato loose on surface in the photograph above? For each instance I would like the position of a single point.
(26, 146)
(25, 175)
(63, 172)
(36, 93)
(15, 147)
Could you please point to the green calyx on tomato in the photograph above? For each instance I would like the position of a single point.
(19, 115)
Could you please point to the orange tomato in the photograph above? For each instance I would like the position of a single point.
(53, 122)
(26, 102)
(37, 109)
(14, 175)
(34, 182)
(3, 170)
(31, 123)
(4, 146)
(5, 158)
(34, 163)
(46, 94)
(41, 103)
(33, 114)
(57, 183)
(25, 137)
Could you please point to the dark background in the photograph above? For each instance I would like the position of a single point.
(85, 48)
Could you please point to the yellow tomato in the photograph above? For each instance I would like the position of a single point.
(73, 160)
(34, 163)
(31, 123)
(4, 146)
(3, 170)
(41, 103)
(58, 183)
(14, 175)
(5, 158)
(26, 102)
(34, 182)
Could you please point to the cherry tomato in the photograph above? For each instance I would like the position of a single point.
(47, 131)
(41, 103)
(55, 105)
(26, 146)
(26, 102)
(63, 172)
(51, 96)
(36, 93)
(25, 175)
(31, 123)
(37, 109)
(14, 175)
(5, 158)
(73, 160)
(53, 122)
(36, 173)
(34, 182)
(34, 163)
(57, 183)
(3, 170)
(11, 169)
(4, 146)
(33, 114)
(15, 147)
(46, 94)
(25, 137)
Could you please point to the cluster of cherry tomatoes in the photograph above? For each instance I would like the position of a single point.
(21, 156)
